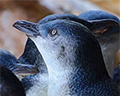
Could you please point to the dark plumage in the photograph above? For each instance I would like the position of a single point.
(10, 84)
(73, 58)
(107, 35)
(32, 56)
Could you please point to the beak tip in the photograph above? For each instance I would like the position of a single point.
(14, 25)
(17, 23)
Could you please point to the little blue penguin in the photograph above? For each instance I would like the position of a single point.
(10, 84)
(9, 61)
(32, 56)
(37, 84)
(108, 37)
(73, 58)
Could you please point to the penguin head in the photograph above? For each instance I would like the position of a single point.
(94, 23)
(98, 18)
(62, 41)
(50, 36)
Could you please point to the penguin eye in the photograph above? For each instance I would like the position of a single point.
(53, 32)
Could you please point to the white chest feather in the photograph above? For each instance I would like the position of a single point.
(40, 87)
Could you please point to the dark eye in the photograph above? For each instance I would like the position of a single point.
(53, 32)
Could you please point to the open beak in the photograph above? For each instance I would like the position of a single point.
(100, 26)
(25, 69)
(27, 27)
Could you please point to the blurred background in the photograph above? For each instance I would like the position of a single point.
(33, 10)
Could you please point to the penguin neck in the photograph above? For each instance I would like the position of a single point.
(79, 64)
(39, 85)
(36, 85)
(70, 78)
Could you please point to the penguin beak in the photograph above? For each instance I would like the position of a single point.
(100, 26)
(28, 27)
(25, 69)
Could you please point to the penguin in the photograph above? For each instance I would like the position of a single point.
(108, 38)
(37, 84)
(9, 61)
(10, 84)
(73, 57)
(32, 82)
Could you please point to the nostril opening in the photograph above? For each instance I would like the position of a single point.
(34, 26)
(28, 25)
